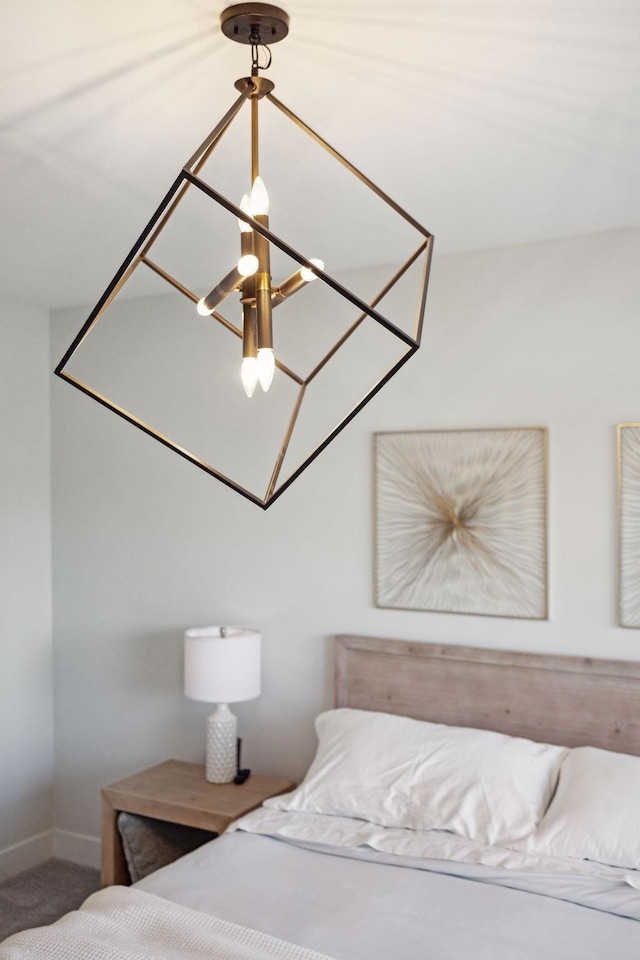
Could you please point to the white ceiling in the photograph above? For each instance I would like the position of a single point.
(493, 121)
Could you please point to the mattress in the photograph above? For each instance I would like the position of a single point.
(353, 902)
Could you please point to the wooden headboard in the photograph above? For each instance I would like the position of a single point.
(573, 701)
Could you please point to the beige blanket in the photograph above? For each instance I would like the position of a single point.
(123, 923)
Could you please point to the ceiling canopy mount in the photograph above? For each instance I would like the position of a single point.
(254, 23)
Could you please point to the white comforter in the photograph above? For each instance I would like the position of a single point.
(123, 923)
(357, 903)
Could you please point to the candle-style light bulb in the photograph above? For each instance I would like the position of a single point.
(265, 366)
(247, 265)
(249, 375)
(307, 273)
(259, 203)
(245, 206)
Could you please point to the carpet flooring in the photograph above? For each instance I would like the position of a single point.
(43, 894)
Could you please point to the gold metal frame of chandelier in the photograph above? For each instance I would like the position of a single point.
(256, 87)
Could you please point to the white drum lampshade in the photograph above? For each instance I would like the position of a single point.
(222, 665)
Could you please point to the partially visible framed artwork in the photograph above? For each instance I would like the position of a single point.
(461, 521)
(629, 523)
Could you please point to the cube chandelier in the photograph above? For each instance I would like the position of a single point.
(253, 376)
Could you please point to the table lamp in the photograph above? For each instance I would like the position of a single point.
(222, 665)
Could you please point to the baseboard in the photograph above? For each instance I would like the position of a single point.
(77, 848)
(29, 853)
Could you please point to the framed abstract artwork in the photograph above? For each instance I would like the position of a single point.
(629, 523)
(461, 521)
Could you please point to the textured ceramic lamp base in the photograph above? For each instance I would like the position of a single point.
(222, 736)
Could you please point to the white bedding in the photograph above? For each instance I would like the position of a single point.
(349, 864)
(359, 903)
(272, 888)
(122, 923)
(421, 844)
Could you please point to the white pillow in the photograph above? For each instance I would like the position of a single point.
(595, 814)
(399, 772)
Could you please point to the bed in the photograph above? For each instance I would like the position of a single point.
(462, 802)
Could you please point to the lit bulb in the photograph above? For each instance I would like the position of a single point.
(245, 206)
(307, 274)
(249, 374)
(266, 365)
(259, 203)
(247, 265)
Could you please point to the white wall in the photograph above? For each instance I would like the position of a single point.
(26, 694)
(146, 545)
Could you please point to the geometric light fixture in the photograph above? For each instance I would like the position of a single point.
(221, 346)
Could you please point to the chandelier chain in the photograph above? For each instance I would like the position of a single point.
(256, 46)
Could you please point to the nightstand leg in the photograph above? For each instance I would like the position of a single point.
(114, 865)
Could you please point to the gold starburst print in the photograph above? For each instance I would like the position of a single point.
(461, 521)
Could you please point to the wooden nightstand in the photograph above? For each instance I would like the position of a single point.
(176, 792)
